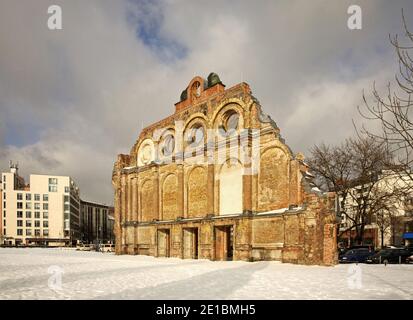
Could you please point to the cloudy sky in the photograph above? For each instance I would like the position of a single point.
(72, 99)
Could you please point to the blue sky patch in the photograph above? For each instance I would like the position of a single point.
(147, 18)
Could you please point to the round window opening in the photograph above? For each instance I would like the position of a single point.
(146, 154)
(196, 136)
(232, 122)
(169, 145)
(196, 89)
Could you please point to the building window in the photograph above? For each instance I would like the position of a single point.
(19, 232)
(46, 232)
(4, 204)
(19, 205)
(28, 197)
(19, 214)
(66, 198)
(67, 189)
(4, 232)
(37, 206)
(45, 224)
(28, 214)
(52, 184)
(20, 223)
(19, 196)
(37, 233)
(45, 215)
(45, 197)
(37, 224)
(28, 232)
(67, 207)
(37, 214)
(28, 205)
(45, 206)
(37, 197)
(28, 223)
(4, 195)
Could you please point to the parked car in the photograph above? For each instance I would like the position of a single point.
(356, 255)
(341, 252)
(106, 248)
(83, 247)
(392, 255)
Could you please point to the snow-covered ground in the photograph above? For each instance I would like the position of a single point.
(34, 274)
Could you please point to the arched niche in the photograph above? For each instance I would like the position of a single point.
(197, 186)
(146, 152)
(230, 188)
(170, 197)
(273, 180)
(147, 201)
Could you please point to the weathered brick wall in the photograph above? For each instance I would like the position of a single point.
(152, 198)
(147, 201)
(273, 190)
(197, 187)
(170, 197)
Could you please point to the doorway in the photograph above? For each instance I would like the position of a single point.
(164, 246)
(224, 243)
(190, 241)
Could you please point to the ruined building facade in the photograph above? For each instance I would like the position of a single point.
(215, 180)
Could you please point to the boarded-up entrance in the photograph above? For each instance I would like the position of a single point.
(190, 241)
(164, 243)
(224, 242)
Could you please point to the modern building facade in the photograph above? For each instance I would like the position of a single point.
(215, 180)
(96, 223)
(391, 225)
(44, 212)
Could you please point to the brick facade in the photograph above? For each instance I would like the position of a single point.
(204, 198)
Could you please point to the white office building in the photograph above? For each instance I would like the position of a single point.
(43, 212)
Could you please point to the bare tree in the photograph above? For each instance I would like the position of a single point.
(393, 110)
(352, 171)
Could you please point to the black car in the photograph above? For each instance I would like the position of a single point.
(356, 255)
(389, 256)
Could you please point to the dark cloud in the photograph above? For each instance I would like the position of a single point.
(73, 99)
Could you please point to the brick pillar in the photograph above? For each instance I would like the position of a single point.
(210, 192)
(329, 244)
(134, 199)
(247, 193)
(130, 198)
(180, 191)
(118, 217)
(156, 197)
(123, 213)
